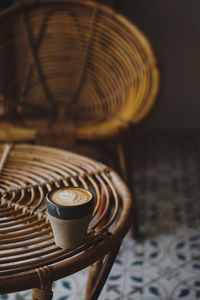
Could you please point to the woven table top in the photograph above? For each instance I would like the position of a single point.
(27, 173)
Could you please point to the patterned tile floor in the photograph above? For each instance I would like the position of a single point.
(165, 263)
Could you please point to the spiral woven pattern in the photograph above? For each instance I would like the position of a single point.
(26, 240)
(77, 61)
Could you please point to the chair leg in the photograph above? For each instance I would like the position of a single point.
(126, 173)
(98, 274)
(122, 160)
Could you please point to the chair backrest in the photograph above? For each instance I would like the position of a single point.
(75, 61)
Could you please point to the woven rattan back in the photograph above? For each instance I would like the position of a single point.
(75, 61)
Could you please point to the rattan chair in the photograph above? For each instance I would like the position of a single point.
(74, 70)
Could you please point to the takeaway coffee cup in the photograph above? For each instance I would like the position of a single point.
(69, 210)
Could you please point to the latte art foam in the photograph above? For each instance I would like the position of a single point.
(71, 197)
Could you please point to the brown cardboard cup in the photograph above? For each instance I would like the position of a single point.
(69, 210)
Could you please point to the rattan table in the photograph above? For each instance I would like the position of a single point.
(29, 258)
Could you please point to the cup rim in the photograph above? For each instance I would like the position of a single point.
(70, 212)
(69, 206)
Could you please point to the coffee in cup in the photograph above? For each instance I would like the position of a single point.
(69, 210)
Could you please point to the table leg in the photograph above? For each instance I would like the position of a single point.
(93, 276)
(42, 294)
(98, 274)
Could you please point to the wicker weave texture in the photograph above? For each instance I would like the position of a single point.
(75, 61)
(26, 240)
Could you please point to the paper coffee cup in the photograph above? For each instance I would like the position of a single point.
(69, 210)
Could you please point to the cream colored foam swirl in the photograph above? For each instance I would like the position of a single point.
(70, 196)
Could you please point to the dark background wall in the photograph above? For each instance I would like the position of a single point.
(173, 27)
